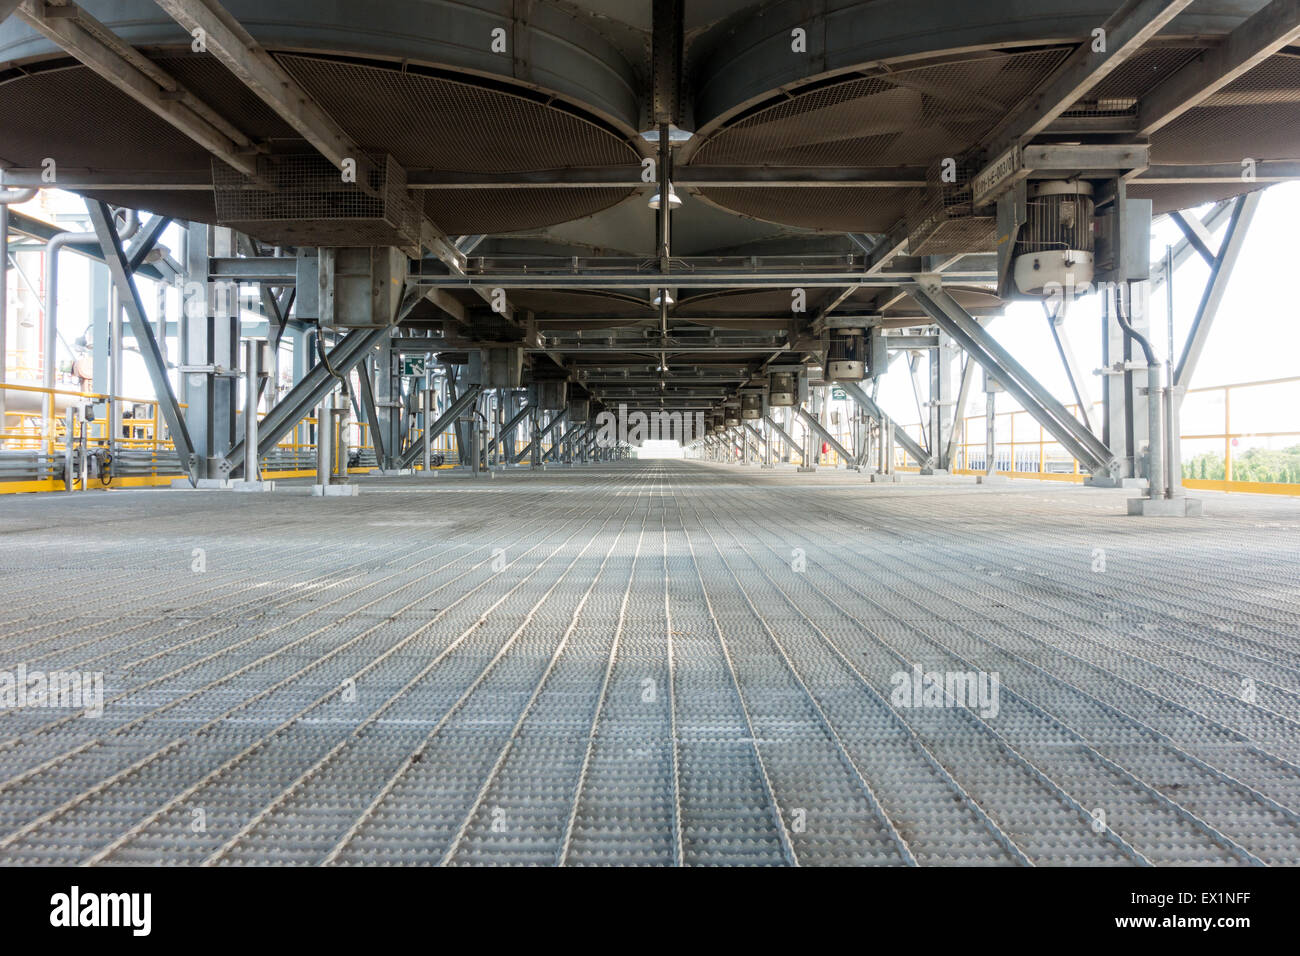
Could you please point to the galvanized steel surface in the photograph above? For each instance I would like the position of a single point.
(621, 665)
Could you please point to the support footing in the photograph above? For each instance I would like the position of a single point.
(204, 484)
(1101, 481)
(1166, 507)
(335, 491)
(252, 486)
(878, 478)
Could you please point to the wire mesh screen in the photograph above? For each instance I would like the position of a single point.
(910, 116)
(1119, 92)
(904, 117)
(941, 218)
(305, 198)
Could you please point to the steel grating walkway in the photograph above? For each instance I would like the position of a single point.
(652, 663)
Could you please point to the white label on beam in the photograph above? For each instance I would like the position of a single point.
(997, 176)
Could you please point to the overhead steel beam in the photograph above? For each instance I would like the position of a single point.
(603, 177)
(904, 440)
(1220, 273)
(271, 270)
(618, 348)
(101, 216)
(1082, 444)
(1125, 32)
(117, 180)
(96, 47)
(667, 29)
(1226, 174)
(465, 400)
(237, 50)
(683, 280)
(1271, 28)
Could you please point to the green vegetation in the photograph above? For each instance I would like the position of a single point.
(1254, 464)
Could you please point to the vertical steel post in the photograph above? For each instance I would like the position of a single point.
(69, 447)
(428, 420)
(325, 440)
(342, 449)
(991, 434)
(252, 377)
(115, 369)
(4, 306)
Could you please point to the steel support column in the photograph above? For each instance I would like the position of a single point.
(941, 404)
(387, 383)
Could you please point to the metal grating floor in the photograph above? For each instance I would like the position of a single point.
(651, 663)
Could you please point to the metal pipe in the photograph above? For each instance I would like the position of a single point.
(1155, 417)
(1173, 436)
(13, 197)
(4, 304)
(343, 450)
(116, 335)
(991, 435)
(83, 455)
(252, 379)
(69, 447)
(130, 225)
(428, 420)
(324, 440)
